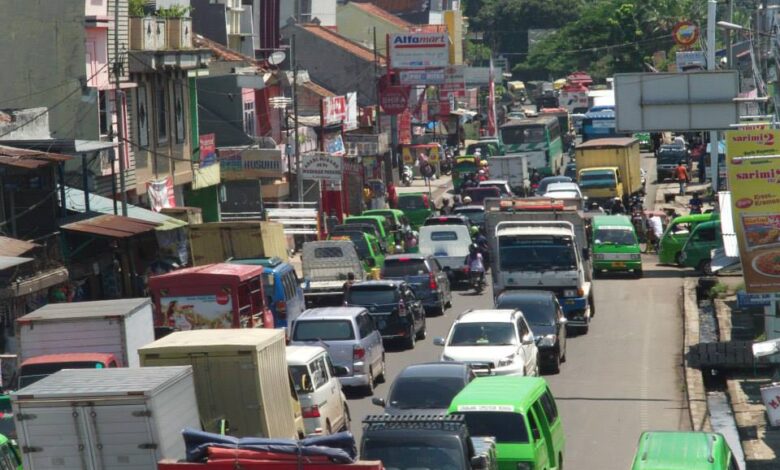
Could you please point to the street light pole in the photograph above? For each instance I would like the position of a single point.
(712, 8)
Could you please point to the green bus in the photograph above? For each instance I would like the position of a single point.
(537, 138)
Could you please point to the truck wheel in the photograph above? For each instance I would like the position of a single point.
(381, 377)
(555, 365)
(370, 385)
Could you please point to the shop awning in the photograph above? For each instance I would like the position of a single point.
(7, 262)
(74, 201)
(29, 159)
(114, 226)
(14, 247)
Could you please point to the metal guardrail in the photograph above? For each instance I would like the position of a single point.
(296, 218)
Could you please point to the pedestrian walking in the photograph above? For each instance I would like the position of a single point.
(681, 173)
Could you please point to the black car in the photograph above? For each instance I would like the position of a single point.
(426, 388)
(571, 171)
(476, 214)
(396, 310)
(545, 316)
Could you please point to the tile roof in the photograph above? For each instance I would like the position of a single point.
(340, 41)
(383, 14)
(224, 53)
(403, 6)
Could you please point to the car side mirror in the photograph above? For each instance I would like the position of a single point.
(528, 339)
(479, 462)
(379, 402)
(340, 371)
(439, 341)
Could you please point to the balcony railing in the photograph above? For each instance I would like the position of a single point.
(151, 33)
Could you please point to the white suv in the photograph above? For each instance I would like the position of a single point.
(498, 342)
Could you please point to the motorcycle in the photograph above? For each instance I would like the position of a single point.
(446, 163)
(637, 211)
(407, 176)
(477, 281)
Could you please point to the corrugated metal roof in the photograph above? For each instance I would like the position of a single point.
(114, 226)
(74, 201)
(93, 309)
(340, 41)
(730, 245)
(121, 382)
(11, 261)
(606, 143)
(383, 14)
(215, 340)
(30, 159)
(216, 270)
(14, 247)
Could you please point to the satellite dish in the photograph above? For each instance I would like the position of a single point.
(277, 58)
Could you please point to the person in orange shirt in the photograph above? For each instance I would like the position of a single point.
(681, 173)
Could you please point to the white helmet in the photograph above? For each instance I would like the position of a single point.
(467, 200)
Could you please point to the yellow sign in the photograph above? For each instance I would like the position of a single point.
(755, 200)
(426, 151)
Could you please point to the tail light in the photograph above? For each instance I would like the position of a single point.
(358, 352)
(281, 308)
(426, 203)
(312, 411)
(432, 282)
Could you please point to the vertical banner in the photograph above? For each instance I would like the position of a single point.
(753, 166)
(161, 194)
(491, 111)
(208, 150)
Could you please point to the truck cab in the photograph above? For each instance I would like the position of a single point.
(406, 442)
(36, 368)
(696, 253)
(601, 185)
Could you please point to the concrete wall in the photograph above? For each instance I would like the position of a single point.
(358, 25)
(24, 124)
(48, 54)
(325, 10)
(333, 67)
(221, 111)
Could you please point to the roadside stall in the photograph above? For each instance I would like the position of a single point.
(212, 296)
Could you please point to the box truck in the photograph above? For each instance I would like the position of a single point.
(105, 419)
(241, 379)
(216, 242)
(609, 169)
(100, 334)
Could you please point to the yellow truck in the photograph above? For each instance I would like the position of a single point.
(217, 242)
(608, 169)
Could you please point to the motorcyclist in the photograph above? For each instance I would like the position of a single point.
(446, 209)
(482, 245)
(466, 201)
(475, 262)
(617, 207)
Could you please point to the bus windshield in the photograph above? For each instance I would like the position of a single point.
(523, 135)
(524, 253)
(597, 179)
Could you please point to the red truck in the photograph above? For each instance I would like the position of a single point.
(232, 463)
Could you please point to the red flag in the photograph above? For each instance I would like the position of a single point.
(491, 112)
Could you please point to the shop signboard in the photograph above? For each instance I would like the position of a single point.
(334, 110)
(753, 166)
(246, 164)
(321, 166)
(394, 99)
(454, 82)
(351, 119)
(410, 153)
(421, 77)
(418, 50)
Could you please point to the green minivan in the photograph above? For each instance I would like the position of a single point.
(417, 207)
(696, 251)
(398, 223)
(673, 450)
(366, 246)
(521, 414)
(677, 233)
(615, 246)
(381, 223)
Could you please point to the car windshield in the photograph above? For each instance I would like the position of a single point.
(505, 427)
(523, 135)
(483, 334)
(373, 222)
(614, 236)
(32, 373)
(404, 267)
(301, 379)
(536, 311)
(671, 156)
(424, 392)
(375, 295)
(417, 452)
(478, 195)
(546, 182)
(476, 216)
(411, 203)
(325, 330)
(597, 179)
(518, 253)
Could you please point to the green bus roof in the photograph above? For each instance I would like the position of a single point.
(696, 218)
(672, 450)
(510, 391)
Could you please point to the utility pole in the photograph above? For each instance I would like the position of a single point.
(118, 109)
(729, 47)
(294, 96)
(712, 8)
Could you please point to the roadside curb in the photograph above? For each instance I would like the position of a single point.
(694, 381)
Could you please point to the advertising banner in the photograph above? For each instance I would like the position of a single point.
(419, 50)
(351, 118)
(421, 77)
(429, 152)
(247, 164)
(334, 110)
(321, 166)
(454, 82)
(192, 312)
(161, 194)
(208, 150)
(755, 196)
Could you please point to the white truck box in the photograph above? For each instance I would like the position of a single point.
(241, 376)
(514, 169)
(117, 327)
(101, 419)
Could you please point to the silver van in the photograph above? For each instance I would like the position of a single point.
(351, 338)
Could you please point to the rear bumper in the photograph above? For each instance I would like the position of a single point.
(576, 310)
(621, 265)
(549, 354)
(358, 380)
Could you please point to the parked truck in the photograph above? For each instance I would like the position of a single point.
(326, 265)
(100, 334)
(105, 418)
(608, 169)
(426, 441)
(241, 379)
(542, 243)
(216, 242)
(514, 169)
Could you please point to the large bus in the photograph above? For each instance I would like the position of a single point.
(599, 123)
(539, 139)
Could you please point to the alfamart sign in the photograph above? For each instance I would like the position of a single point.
(418, 50)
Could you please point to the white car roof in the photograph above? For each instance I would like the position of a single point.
(562, 194)
(492, 182)
(562, 187)
(533, 230)
(302, 355)
(487, 316)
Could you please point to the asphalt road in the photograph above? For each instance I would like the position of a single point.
(620, 379)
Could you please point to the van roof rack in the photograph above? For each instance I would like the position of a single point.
(415, 421)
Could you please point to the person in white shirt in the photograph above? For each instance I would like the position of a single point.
(656, 226)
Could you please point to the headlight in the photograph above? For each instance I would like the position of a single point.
(445, 357)
(547, 341)
(570, 293)
(598, 257)
(507, 361)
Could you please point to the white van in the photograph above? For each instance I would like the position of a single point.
(316, 382)
(449, 244)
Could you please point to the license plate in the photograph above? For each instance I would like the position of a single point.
(618, 264)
